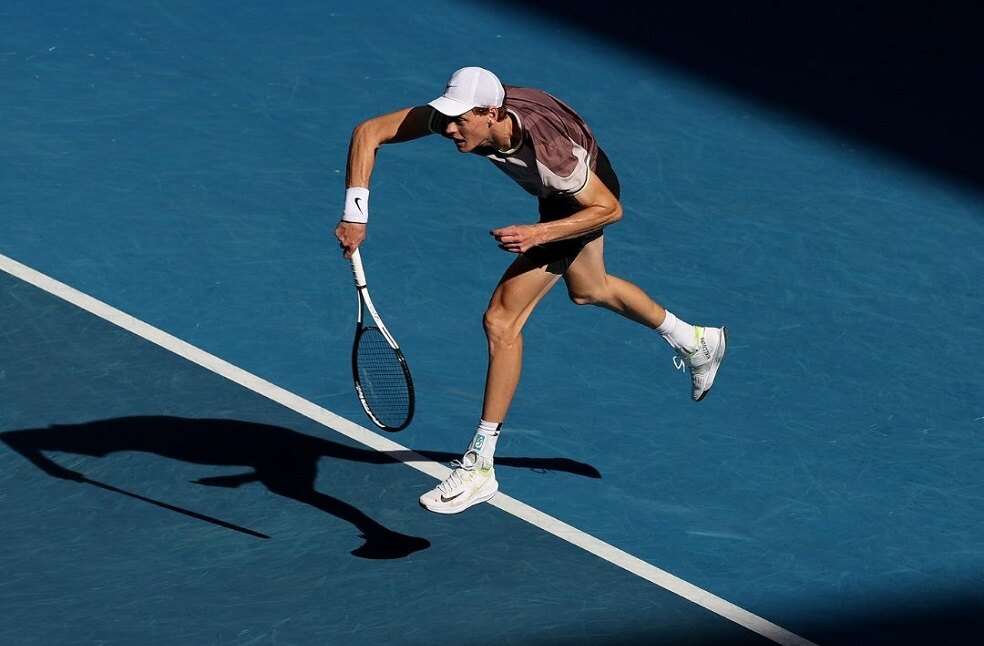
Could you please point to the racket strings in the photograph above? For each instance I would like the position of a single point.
(383, 380)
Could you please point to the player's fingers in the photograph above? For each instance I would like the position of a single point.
(504, 231)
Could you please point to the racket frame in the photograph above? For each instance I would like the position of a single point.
(366, 305)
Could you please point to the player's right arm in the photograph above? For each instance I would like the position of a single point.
(368, 136)
(395, 127)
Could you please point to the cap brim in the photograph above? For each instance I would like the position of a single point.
(450, 107)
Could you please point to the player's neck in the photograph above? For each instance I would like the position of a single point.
(508, 134)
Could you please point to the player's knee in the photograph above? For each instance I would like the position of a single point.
(586, 297)
(499, 326)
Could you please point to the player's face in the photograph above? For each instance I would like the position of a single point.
(469, 131)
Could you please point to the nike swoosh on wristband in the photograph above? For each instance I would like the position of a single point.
(359, 206)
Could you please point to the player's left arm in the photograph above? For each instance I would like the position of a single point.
(600, 208)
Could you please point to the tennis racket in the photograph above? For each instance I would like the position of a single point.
(382, 377)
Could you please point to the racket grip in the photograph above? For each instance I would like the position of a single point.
(358, 273)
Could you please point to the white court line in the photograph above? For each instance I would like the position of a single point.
(380, 443)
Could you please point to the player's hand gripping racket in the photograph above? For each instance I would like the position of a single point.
(382, 377)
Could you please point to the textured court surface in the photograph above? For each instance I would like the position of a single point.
(183, 162)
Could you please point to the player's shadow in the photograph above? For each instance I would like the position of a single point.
(282, 460)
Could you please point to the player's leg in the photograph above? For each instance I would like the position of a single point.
(588, 283)
(701, 348)
(472, 479)
(519, 291)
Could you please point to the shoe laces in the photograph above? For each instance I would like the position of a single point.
(454, 481)
(461, 470)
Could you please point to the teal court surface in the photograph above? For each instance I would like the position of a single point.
(183, 459)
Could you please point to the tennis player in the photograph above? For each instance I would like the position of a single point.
(544, 146)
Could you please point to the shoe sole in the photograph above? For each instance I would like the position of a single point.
(480, 498)
(716, 363)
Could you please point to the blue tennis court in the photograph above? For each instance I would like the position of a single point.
(183, 459)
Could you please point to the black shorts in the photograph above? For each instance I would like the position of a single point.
(564, 252)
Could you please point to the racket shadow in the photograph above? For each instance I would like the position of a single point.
(282, 460)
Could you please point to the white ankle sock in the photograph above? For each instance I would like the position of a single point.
(679, 334)
(485, 439)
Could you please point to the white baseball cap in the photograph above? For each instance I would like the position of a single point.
(470, 87)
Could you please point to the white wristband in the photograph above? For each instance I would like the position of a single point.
(356, 205)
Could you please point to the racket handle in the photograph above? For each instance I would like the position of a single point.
(358, 273)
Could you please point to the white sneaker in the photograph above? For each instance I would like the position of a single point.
(472, 481)
(705, 360)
